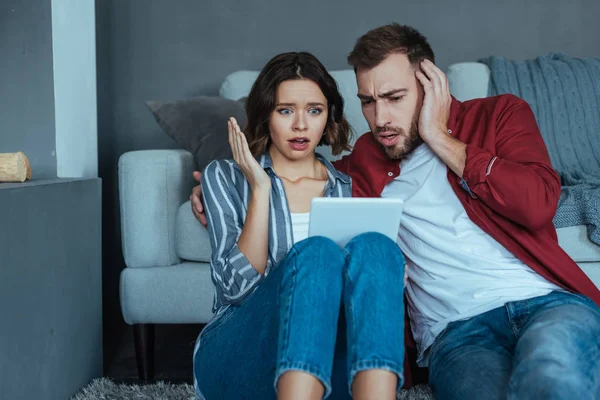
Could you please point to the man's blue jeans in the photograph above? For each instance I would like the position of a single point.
(324, 310)
(546, 347)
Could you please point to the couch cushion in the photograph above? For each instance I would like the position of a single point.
(574, 240)
(178, 294)
(193, 243)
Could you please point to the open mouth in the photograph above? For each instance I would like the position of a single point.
(299, 143)
(388, 138)
(299, 140)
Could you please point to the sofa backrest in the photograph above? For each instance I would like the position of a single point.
(468, 80)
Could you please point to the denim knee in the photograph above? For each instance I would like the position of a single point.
(378, 247)
(553, 381)
(320, 243)
(314, 255)
(369, 239)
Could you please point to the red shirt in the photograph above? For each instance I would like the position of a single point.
(509, 188)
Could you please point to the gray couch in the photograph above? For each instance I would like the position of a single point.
(167, 252)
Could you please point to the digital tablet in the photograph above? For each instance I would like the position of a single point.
(342, 218)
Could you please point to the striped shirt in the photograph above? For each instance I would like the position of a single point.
(225, 194)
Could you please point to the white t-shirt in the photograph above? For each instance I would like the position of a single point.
(300, 226)
(455, 270)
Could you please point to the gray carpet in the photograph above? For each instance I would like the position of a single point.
(105, 389)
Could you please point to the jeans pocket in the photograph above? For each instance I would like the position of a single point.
(440, 337)
(444, 331)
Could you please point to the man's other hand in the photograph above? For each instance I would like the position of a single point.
(196, 200)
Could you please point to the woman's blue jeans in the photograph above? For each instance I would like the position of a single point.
(324, 310)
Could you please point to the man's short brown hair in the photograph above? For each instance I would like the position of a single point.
(374, 46)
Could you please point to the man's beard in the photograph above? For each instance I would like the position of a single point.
(412, 141)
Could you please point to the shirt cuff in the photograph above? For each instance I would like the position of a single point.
(478, 165)
(240, 265)
(244, 277)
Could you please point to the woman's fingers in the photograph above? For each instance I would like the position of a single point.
(232, 142)
(245, 145)
(238, 155)
(247, 154)
(238, 138)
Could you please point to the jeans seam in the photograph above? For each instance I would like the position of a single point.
(510, 386)
(288, 309)
(349, 307)
(511, 321)
(437, 340)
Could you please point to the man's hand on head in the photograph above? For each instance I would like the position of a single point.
(196, 200)
(433, 120)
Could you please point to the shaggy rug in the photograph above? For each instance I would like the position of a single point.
(105, 389)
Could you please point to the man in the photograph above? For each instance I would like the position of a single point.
(497, 309)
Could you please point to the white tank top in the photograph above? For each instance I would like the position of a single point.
(300, 226)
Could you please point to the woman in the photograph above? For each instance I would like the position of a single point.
(295, 317)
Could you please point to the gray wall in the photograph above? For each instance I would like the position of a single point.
(163, 49)
(26, 83)
(50, 288)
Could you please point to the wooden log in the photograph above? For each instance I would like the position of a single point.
(14, 167)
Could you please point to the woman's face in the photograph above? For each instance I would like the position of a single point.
(298, 121)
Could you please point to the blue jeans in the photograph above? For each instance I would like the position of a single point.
(293, 321)
(546, 347)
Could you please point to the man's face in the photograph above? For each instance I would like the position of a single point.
(391, 98)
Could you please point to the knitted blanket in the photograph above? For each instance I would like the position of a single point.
(564, 94)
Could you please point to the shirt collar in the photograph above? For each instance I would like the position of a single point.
(332, 172)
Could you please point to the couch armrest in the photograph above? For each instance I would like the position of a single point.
(152, 186)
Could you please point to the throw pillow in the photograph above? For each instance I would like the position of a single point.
(199, 124)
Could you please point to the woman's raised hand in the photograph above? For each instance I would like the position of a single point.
(252, 170)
